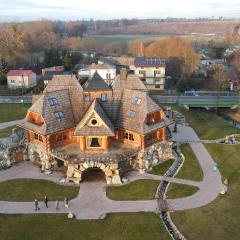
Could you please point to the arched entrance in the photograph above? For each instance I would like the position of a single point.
(93, 174)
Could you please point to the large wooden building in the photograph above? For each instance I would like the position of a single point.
(93, 125)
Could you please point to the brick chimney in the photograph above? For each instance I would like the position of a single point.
(123, 74)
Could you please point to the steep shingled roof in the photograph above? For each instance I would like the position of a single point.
(105, 129)
(51, 123)
(95, 82)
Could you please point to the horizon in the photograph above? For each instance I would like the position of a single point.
(72, 10)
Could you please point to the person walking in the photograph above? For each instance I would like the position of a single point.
(66, 202)
(46, 201)
(57, 205)
(36, 205)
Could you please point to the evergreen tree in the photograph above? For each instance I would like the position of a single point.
(182, 84)
(3, 71)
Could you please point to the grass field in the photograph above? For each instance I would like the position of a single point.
(208, 125)
(6, 132)
(10, 112)
(220, 219)
(179, 191)
(140, 226)
(162, 167)
(143, 189)
(21, 190)
(191, 169)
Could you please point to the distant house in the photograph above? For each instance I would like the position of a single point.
(54, 68)
(48, 76)
(21, 79)
(48, 73)
(106, 71)
(151, 71)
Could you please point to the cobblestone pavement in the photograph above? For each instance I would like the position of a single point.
(92, 201)
(9, 124)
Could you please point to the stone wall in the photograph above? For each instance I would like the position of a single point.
(153, 155)
(10, 146)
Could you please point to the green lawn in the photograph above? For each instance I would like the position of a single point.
(15, 111)
(220, 219)
(207, 124)
(136, 226)
(21, 190)
(162, 168)
(6, 132)
(191, 169)
(143, 189)
(179, 191)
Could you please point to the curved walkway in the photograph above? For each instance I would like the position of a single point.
(92, 201)
(9, 124)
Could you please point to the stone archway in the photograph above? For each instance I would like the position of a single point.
(111, 171)
(93, 175)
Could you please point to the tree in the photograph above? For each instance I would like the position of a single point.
(67, 62)
(13, 44)
(182, 84)
(136, 48)
(177, 48)
(220, 78)
(3, 71)
(235, 59)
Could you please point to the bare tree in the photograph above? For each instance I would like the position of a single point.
(13, 44)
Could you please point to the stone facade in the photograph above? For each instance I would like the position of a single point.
(11, 147)
(153, 155)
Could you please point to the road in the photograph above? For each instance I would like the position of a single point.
(199, 101)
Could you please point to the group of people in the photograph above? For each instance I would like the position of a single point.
(46, 200)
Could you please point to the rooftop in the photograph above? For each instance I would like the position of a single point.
(149, 62)
(19, 72)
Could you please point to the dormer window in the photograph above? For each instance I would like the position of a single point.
(87, 97)
(59, 115)
(137, 101)
(103, 97)
(131, 114)
(94, 121)
(53, 101)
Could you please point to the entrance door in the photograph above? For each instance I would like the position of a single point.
(19, 156)
(93, 175)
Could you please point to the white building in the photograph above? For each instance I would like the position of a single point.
(151, 71)
(106, 71)
(21, 79)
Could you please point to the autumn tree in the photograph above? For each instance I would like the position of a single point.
(178, 48)
(136, 48)
(13, 45)
(219, 77)
(235, 59)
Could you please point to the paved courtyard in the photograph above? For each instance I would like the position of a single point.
(92, 201)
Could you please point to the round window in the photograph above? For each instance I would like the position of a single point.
(94, 121)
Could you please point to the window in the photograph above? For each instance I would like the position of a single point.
(87, 97)
(108, 75)
(151, 136)
(129, 136)
(103, 97)
(53, 101)
(131, 114)
(142, 72)
(61, 137)
(157, 72)
(94, 142)
(12, 81)
(38, 137)
(58, 115)
(94, 122)
(137, 101)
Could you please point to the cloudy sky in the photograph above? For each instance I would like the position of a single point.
(19, 10)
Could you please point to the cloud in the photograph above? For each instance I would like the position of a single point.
(107, 9)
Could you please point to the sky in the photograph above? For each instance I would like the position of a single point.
(21, 10)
